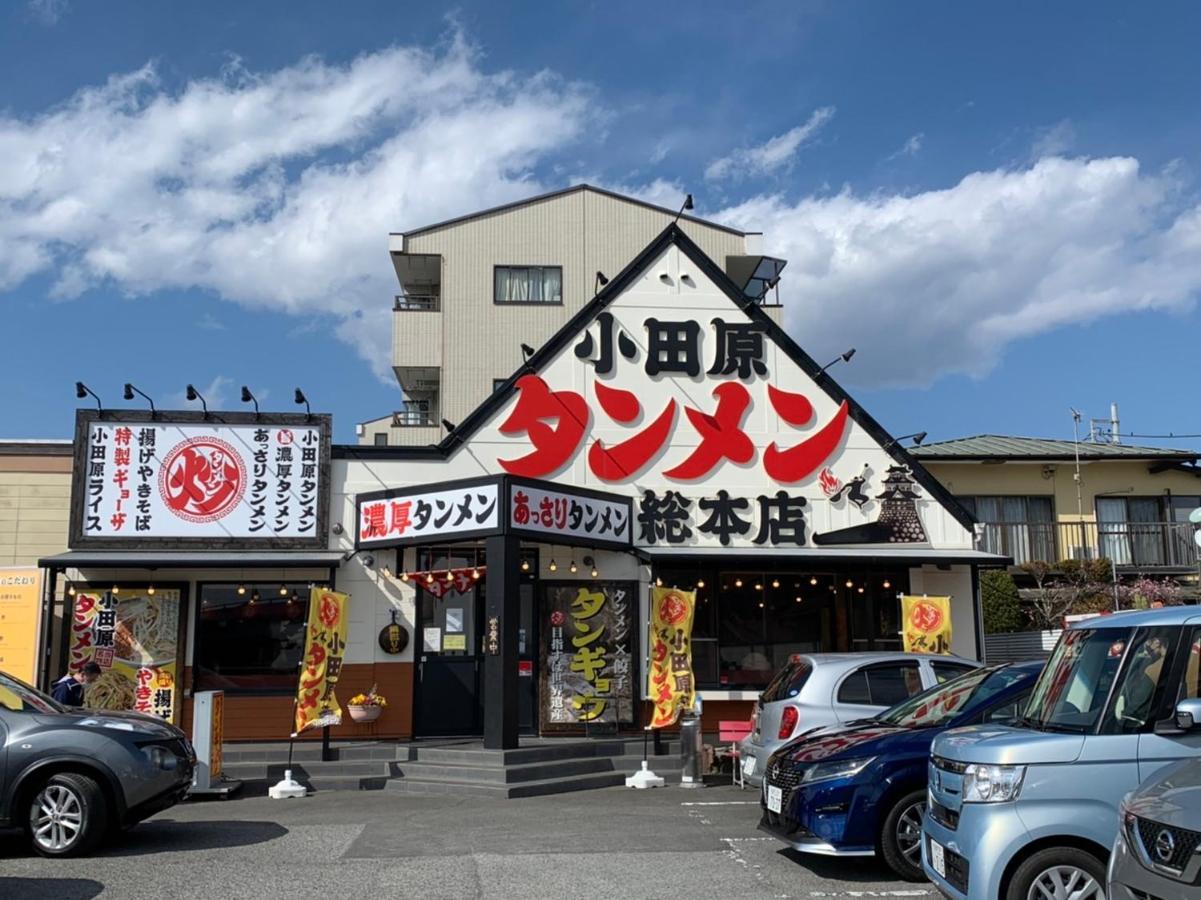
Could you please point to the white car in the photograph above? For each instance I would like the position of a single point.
(816, 690)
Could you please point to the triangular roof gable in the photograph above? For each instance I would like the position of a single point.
(575, 327)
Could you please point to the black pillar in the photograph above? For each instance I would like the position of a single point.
(502, 605)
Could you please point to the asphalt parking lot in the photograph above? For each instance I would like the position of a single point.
(669, 843)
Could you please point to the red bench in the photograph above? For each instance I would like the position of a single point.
(734, 732)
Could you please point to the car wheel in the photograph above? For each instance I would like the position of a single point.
(67, 816)
(1059, 873)
(901, 836)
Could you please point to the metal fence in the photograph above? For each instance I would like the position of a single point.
(1020, 646)
(1138, 545)
(418, 302)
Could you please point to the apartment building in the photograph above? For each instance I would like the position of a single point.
(513, 276)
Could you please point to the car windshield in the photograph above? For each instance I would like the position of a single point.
(20, 697)
(944, 702)
(1071, 692)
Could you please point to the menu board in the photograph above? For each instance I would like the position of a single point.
(133, 636)
(20, 605)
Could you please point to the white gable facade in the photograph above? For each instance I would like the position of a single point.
(750, 477)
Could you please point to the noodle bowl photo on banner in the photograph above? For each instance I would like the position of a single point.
(133, 635)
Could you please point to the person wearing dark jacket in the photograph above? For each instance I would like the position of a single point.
(68, 690)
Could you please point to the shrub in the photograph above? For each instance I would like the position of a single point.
(999, 602)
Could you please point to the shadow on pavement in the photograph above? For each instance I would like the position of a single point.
(860, 869)
(169, 836)
(56, 888)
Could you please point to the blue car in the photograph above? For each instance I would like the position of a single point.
(860, 790)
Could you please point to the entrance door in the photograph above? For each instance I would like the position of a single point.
(449, 699)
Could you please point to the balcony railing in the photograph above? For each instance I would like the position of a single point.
(1138, 545)
(412, 418)
(418, 303)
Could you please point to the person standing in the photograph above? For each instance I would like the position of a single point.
(68, 690)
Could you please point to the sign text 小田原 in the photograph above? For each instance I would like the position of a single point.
(183, 478)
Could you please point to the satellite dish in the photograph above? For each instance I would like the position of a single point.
(1195, 516)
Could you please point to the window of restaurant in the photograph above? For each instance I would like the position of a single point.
(748, 622)
(249, 637)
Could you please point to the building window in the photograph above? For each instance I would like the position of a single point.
(249, 637)
(1147, 531)
(1019, 527)
(749, 623)
(381, 439)
(528, 284)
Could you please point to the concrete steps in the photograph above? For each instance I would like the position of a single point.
(461, 768)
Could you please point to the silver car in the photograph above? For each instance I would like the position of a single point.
(816, 690)
(1156, 853)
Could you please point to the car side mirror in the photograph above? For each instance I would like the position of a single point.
(1188, 714)
(1186, 718)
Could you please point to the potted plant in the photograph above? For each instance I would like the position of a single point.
(367, 707)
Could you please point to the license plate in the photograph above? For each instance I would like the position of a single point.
(748, 765)
(775, 799)
(938, 861)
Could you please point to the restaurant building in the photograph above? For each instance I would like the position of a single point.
(668, 432)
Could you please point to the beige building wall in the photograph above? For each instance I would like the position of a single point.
(583, 231)
(35, 500)
(1097, 478)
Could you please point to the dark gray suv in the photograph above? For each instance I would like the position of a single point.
(1157, 855)
(70, 776)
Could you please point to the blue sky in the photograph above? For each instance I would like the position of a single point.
(999, 208)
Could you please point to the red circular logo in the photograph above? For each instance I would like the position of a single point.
(926, 617)
(673, 609)
(558, 618)
(285, 436)
(202, 479)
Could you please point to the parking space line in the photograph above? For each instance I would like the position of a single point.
(722, 803)
(903, 892)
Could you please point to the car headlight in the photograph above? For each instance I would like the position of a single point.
(992, 784)
(843, 768)
(160, 757)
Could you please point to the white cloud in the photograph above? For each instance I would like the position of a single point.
(215, 393)
(1054, 141)
(227, 183)
(943, 281)
(48, 12)
(776, 154)
(911, 147)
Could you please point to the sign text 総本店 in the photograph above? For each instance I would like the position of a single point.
(178, 478)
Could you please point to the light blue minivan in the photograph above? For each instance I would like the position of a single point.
(1031, 812)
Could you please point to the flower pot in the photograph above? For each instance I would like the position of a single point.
(365, 714)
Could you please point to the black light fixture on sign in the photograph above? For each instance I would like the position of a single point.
(192, 394)
(248, 397)
(82, 390)
(130, 390)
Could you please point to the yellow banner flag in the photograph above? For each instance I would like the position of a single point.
(669, 677)
(927, 624)
(324, 644)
